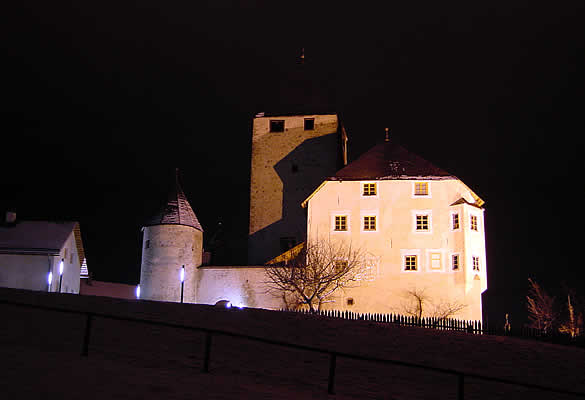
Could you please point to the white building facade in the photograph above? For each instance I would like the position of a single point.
(422, 231)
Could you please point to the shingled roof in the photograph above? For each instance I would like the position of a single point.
(176, 211)
(389, 160)
(35, 237)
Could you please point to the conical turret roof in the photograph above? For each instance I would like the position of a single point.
(177, 210)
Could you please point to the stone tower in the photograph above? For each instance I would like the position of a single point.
(297, 142)
(172, 238)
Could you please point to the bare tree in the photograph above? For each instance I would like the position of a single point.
(311, 275)
(541, 308)
(419, 303)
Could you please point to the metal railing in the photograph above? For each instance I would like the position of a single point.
(333, 355)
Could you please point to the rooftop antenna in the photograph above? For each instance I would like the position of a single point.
(387, 139)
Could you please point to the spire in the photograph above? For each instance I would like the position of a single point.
(177, 210)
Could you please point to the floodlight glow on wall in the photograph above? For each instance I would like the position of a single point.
(182, 277)
(49, 280)
(137, 291)
(61, 265)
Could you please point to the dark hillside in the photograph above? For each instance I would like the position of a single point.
(127, 360)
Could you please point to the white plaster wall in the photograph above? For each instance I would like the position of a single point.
(71, 267)
(24, 271)
(170, 247)
(395, 208)
(243, 286)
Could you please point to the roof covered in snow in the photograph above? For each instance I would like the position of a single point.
(176, 211)
(35, 237)
(389, 160)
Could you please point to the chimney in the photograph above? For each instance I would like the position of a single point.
(10, 217)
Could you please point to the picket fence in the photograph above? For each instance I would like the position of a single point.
(451, 324)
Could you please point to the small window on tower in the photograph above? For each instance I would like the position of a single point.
(277, 125)
(309, 124)
(350, 301)
(147, 244)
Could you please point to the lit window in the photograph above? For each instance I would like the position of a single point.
(455, 221)
(369, 189)
(421, 189)
(455, 262)
(370, 223)
(340, 266)
(410, 263)
(475, 263)
(422, 222)
(341, 222)
(277, 125)
(474, 223)
(309, 124)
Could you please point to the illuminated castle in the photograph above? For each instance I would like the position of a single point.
(421, 227)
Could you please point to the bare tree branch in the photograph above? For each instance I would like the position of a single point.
(316, 272)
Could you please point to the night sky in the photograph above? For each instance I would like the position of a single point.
(101, 101)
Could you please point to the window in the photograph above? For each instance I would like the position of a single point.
(341, 222)
(370, 223)
(287, 243)
(421, 189)
(340, 266)
(369, 189)
(147, 244)
(436, 261)
(475, 263)
(422, 222)
(455, 224)
(455, 262)
(410, 263)
(277, 125)
(350, 301)
(309, 124)
(473, 223)
(294, 168)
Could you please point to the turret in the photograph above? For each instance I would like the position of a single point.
(172, 238)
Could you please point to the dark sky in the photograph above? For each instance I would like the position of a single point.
(101, 101)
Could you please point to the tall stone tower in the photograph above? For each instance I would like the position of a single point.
(172, 238)
(297, 142)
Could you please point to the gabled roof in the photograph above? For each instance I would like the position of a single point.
(477, 204)
(35, 237)
(176, 211)
(389, 160)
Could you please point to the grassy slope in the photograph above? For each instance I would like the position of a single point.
(40, 355)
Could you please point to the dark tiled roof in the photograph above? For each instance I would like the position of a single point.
(463, 201)
(390, 161)
(176, 211)
(35, 237)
